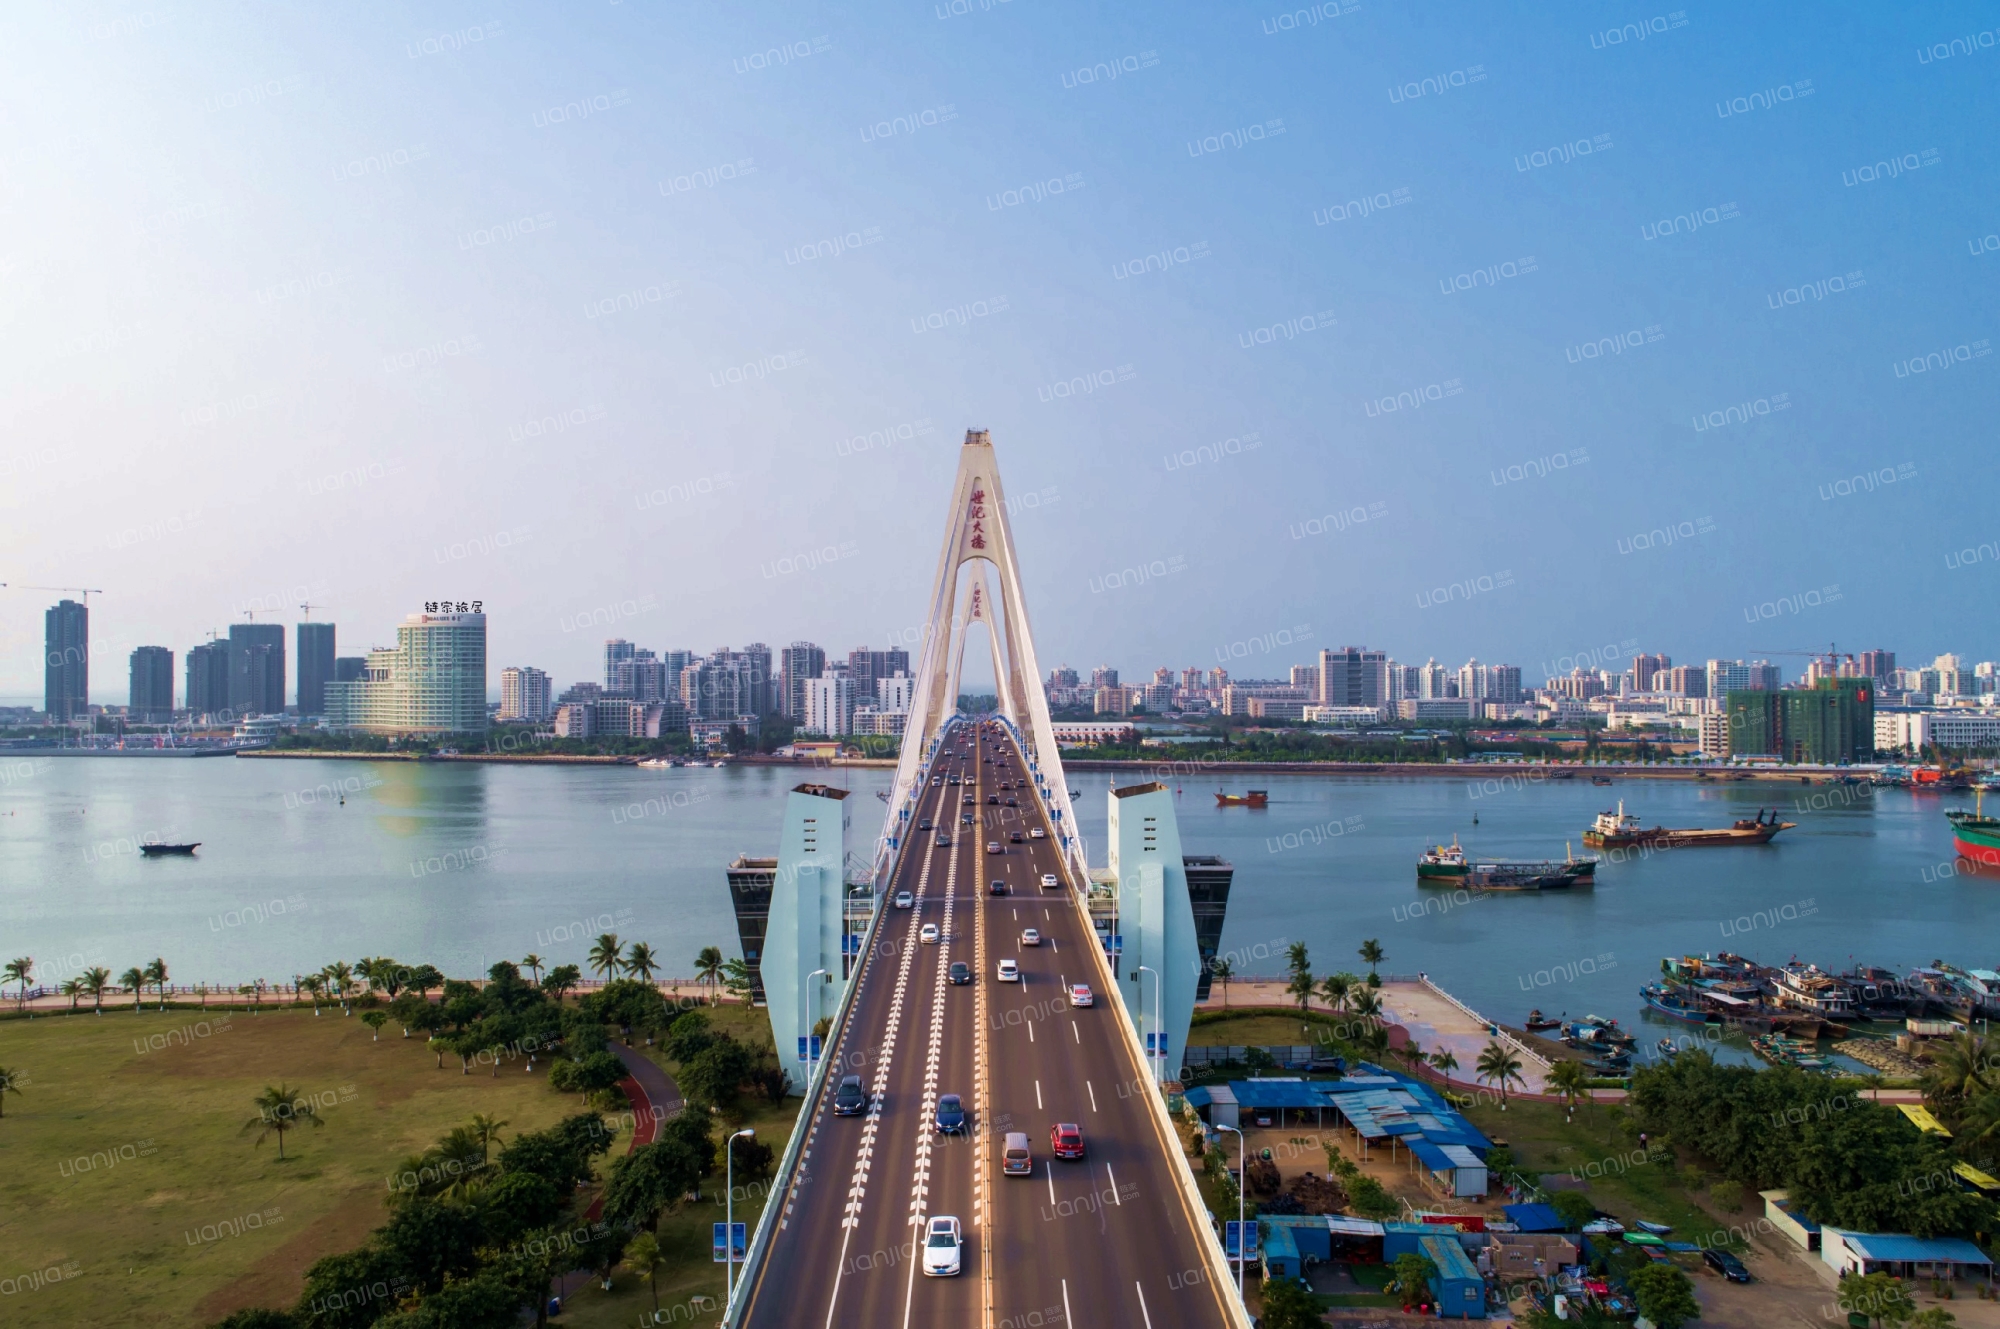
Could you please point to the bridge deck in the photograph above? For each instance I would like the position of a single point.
(1110, 1239)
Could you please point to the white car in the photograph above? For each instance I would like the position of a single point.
(1030, 937)
(928, 933)
(942, 1245)
(905, 900)
(1009, 972)
(1079, 995)
(1050, 881)
(1037, 834)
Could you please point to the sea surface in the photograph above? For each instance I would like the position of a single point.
(464, 864)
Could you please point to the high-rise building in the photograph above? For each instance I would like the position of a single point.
(1306, 676)
(1104, 676)
(1353, 676)
(895, 693)
(1645, 668)
(798, 664)
(864, 666)
(524, 695)
(152, 700)
(1833, 722)
(762, 697)
(207, 691)
(348, 668)
(616, 651)
(1727, 676)
(829, 706)
(1685, 681)
(316, 657)
(66, 662)
(1878, 665)
(1431, 681)
(256, 669)
(433, 681)
(1062, 676)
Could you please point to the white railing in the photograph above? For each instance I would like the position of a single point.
(1500, 1034)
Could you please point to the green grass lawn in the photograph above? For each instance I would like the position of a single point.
(130, 1168)
(1260, 1028)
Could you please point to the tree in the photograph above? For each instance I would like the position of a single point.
(1936, 1317)
(737, 979)
(715, 1075)
(487, 1130)
(73, 989)
(156, 974)
(1664, 1294)
(563, 978)
(1366, 1197)
(1334, 989)
(708, 968)
(20, 971)
(641, 963)
(1297, 960)
(375, 1020)
(1222, 971)
(1289, 1304)
(134, 980)
(1410, 1277)
(1445, 1062)
(643, 1258)
(1881, 1298)
(1372, 955)
(1498, 1065)
(312, 985)
(280, 1109)
(1301, 987)
(534, 963)
(341, 975)
(96, 982)
(1573, 1208)
(606, 954)
(259, 1318)
(10, 1083)
(1566, 1078)
(649, 1180)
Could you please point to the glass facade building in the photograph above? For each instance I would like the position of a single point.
(433, 681)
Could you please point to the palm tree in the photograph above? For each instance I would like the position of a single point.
(1960, 1067)
(641, 961)
(1295, 957)
(1372, 955)
(708, 968)
(737, 979)
(73, 989)
(10, 1083)
(280, 1109)
(1334, 988)
(342, 975)
(488, 1132)
(312, 985)
(1301, 987)
(534, 963)
(1498, 1065)
(156, 974)
(1566, 1078)
(606, 954)
(135, 979)
(1365, 1003)
(20, 971)
(643, 1257)
(97, 982)
(1222, 971)
(1445, 1063)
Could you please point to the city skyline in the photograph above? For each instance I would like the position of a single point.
(539, 316)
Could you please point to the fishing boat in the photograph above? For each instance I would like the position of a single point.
(1537, 1022)
(1621, 830)
(1675, 1004)
(157, 849)
(1666, 1047)
(1449, 865)
(1975, 835)
(658, 764)
(1255, 798)
(1600, 779)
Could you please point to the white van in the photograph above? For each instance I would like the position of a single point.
(1015, 1159)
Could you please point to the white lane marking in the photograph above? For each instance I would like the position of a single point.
(1052, 943)
(1052, 1183)
(1031, 1031)
(920, 1182)
(1148, 1315)
(1072, 1030)
(1093, 1093)
(1114, 1186)
(1038, 1095)
(1067, 1317)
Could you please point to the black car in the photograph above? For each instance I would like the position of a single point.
(996, 887)
(924, 825)
(849, 1100)
(961, 972)
(950, 1115)
(1726, 1264)
(1013, 837)
(993, 800)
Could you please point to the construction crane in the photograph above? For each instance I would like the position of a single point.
(85, 591)
(307, 610)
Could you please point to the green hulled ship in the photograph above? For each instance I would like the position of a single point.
(1449, 865)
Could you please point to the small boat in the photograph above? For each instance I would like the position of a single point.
(1600, 779)
(1657, 1229)
(155, 849)
(1537, 1021)
(657, 763)
(1255, 798)
(1666, 1047)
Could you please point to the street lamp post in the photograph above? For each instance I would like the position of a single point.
(812, 990)
(729, 1215)
(1158, 1003)
(1242, 1180)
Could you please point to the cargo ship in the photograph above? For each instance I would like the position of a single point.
(1975, 835)
(1256, 798)
(1448, 865)
(1621, 830)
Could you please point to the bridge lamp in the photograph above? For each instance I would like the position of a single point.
(812, 990)
(729, 1215)
(1242, 1180)
(1158, 1018)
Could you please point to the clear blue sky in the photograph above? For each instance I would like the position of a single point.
(289, 285)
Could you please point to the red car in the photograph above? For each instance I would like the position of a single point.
(1066, 1139)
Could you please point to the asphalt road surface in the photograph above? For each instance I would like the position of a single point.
(1105, 1240)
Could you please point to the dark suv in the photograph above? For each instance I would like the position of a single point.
(849, 1100)
(1726, 1264)
(961, 972)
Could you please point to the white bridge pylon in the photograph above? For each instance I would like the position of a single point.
(978, 540)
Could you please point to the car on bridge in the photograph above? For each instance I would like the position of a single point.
(928, 934)
(961, 973)
(993, 847)
(1016, 1159)
(905, 900)
(943, 840)
(1037, 834)
(1080, 995)
(1010, 972)
(1066, 1139)
(1013, 802)
(943, 1246)
(1050, 881)
(1013, 837)
(849, 1099)
(996, 887)
(1030, 937)
(993, 800)
(950, 1115)
(924, 825)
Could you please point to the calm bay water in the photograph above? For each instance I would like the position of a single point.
(461, 865)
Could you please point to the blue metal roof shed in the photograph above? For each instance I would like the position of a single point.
(1534, 1218)
(1460, 1291)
